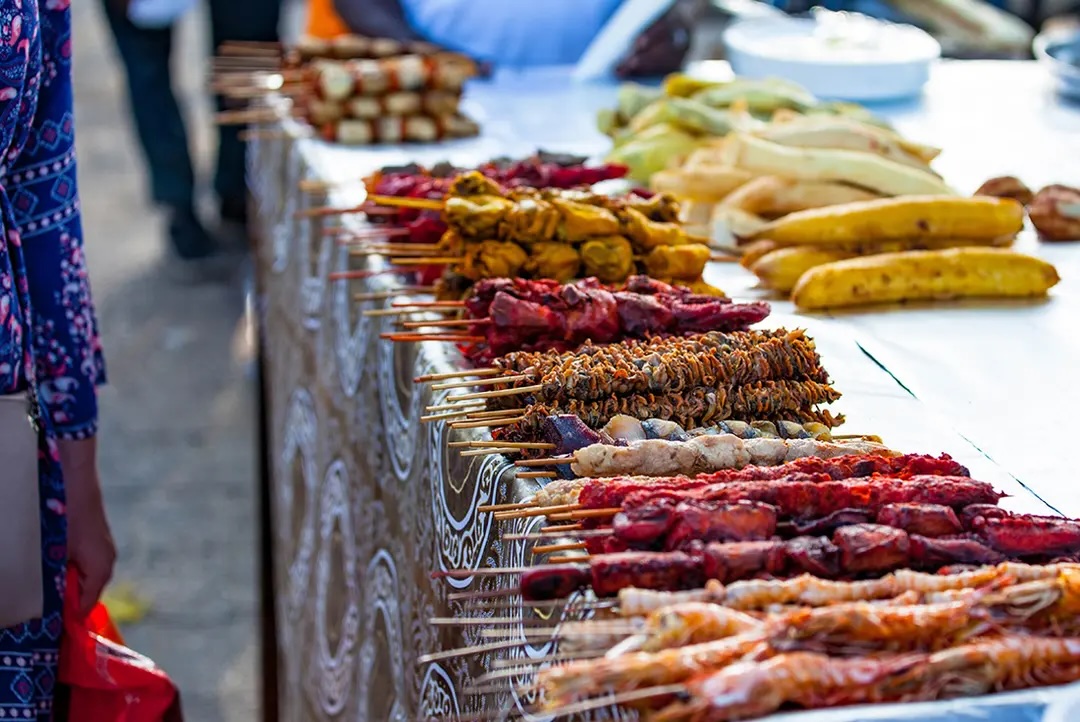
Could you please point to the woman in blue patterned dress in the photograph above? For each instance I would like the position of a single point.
(48, 332)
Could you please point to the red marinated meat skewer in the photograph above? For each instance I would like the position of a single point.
(607, 493)
(528, 315)
(691, 523)
(808, 499)
(857, 550)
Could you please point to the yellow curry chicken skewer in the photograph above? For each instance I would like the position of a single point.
(558, 234)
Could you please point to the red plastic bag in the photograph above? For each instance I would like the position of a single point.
(106, 681)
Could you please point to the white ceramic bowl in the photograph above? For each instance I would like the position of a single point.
(895, 65)
(1060, 53)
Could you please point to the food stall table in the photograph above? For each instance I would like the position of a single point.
(367, 501)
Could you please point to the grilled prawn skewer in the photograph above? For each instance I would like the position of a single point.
(811, 591)
(748, 689)
(719, 634)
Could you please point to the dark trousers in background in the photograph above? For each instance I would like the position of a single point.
(146, 55)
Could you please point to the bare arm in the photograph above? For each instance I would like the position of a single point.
(376, 18)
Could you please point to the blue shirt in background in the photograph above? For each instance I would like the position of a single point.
(512, 33)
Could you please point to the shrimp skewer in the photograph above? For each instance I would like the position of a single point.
(991, 665)
(752, 689)
(811, 591)
(861, 626)
(637, 670)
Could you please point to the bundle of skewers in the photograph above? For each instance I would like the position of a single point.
(862, 578)
(353, 90)
(506, 314)
(426, 226)
(495, 232)
(694, 381)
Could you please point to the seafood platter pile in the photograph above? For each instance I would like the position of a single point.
(712, 548)
(353, 90)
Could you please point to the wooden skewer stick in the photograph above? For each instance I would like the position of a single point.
(498, 392)
(432, 304)
(456, 375)
(575, 559)
(505, 507)
(593, 629)
(318, 185)
(447, 324)
(430, 260)
(494, 414)
(546, 535)
(466, 651)
(482, 382)
(586, 514)
(354, 275)
(548, 548)
(383, 295)
(556, 461)
(486, 452)
(399, 249)
(542, 636)
(539, 446)
(561, 529)
(471, 621)
(399, 311)
(491, 715)
(470, 417)
(479, 595)
(422, 250)
(536, 475)
(520, 669)
(536, 511)
(554, 604)
(486, 424)
(453, 337)
(453, 413)
(479, 572)
(443, 417)
(453, 407)
(402, 202)
(520, 665)
(615, 699)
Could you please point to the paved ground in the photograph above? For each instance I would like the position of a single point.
(177, 438)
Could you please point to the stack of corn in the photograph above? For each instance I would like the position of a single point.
(652, 129)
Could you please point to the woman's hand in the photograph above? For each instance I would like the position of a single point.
(90, 544)
(663, 47)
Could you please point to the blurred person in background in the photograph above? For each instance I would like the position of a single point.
(515, 34)
(144, 31)
(49, 342)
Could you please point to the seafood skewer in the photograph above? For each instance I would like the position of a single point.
(700, 454)
(713, 631)
(751, 689)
